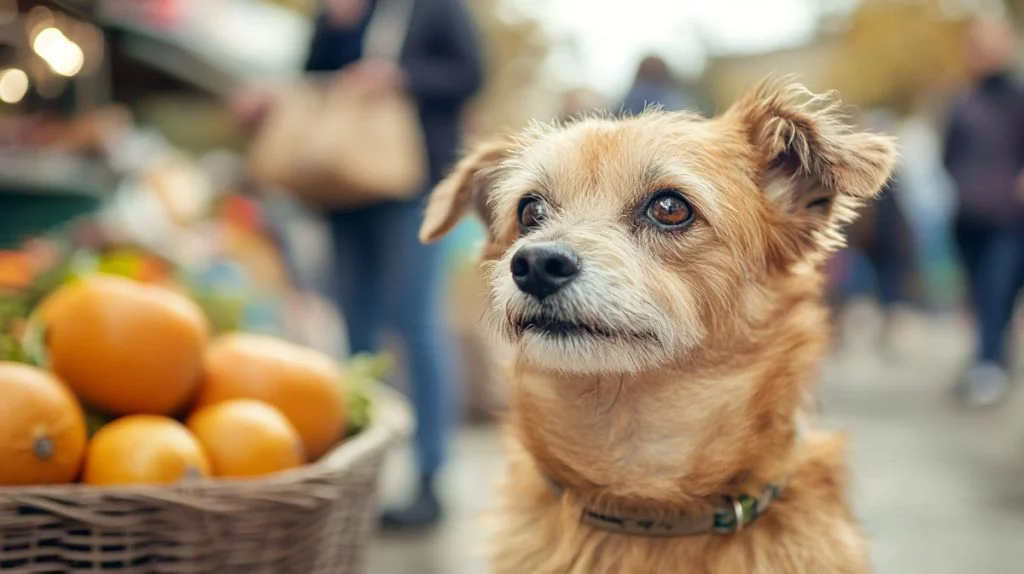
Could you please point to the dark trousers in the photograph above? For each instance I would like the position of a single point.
(890, 276)
(890, 252)
(993, 259)
(386, 280)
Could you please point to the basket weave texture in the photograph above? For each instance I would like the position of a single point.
(312, 520)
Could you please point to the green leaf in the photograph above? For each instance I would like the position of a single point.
(33, 343)
(363, 372)
(10, 349)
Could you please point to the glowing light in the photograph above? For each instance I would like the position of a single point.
(13, 85)
(68, 61)
(64, 56)
(48, 40)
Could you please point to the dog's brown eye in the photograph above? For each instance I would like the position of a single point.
(669, 209)
(532, 213)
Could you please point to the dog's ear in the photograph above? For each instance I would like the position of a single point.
(811, 166)
(467, 186)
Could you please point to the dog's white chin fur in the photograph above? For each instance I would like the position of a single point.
(649, 337)
(585, 354)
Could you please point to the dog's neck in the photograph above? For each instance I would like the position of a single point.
(675, 439)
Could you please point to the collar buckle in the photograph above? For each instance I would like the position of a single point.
(737, 512)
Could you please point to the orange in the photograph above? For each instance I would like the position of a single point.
(246, 437)
(16, 269)
(306, 385)
(42, 428)
(144, 449)
(125, 347)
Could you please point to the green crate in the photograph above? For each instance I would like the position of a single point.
(41, 192)
(24, 215)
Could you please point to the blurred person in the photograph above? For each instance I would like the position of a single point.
(883, 237)
(386, 279)
(884, 241)
(928, 200)
(654, 85)
(984, 154)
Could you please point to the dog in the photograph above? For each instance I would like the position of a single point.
(658, 277)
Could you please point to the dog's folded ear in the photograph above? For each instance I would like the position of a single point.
(813, 166)
(465, 187)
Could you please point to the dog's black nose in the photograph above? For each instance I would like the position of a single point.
(544, 268)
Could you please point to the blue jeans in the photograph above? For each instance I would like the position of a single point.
(385, 279)
(887, 271)
(993, 259)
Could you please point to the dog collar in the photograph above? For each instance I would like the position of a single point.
(730, 516)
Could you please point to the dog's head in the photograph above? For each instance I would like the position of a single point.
(618, 245)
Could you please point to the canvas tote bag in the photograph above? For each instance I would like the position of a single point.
(335, 145)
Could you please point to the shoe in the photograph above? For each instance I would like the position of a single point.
(423, 513)
(984, 385)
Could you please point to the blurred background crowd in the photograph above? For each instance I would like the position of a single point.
(211, 130)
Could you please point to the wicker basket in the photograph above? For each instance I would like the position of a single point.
(316, 519)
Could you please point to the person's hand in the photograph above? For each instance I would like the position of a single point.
(377, 75)
(1020, 186)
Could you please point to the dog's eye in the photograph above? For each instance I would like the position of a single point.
(532, 213)
(670, 210)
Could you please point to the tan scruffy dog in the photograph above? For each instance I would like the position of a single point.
(658, 279)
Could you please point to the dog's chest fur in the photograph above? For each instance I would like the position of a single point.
(809, 531)
(610, 416)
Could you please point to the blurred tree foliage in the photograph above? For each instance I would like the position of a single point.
(516, 48)
(894, 51)
(882, 52)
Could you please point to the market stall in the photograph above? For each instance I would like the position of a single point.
(74, 143)
(129, 263)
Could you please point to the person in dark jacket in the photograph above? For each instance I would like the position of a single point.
(984, 154)
(386, 279)
(883, 236)
(654, 86)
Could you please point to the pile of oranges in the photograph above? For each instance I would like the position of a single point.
(175, 403)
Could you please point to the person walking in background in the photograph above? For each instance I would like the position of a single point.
(386, 279)
(928, 202)
(984, 154)
(882, 236)
(654, 85)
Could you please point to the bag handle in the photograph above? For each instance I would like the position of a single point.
(387, 29)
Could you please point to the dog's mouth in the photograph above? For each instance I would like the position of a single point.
(558, 328)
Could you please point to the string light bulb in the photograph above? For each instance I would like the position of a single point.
(13, 85)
